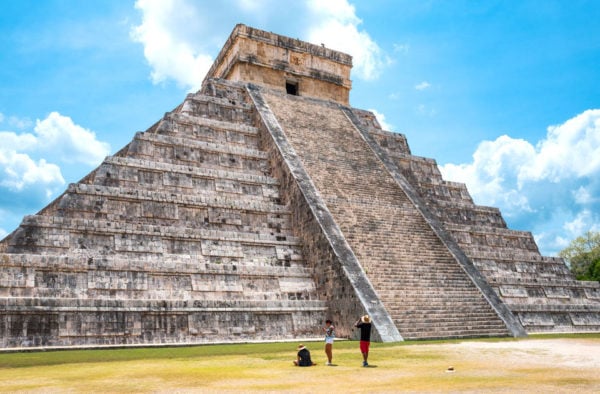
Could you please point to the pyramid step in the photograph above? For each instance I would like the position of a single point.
(113, 169)
(423, 307)
(56, 234)
(281, 262)
(217, 108)
(218, 87)
(173, 306)
(483, 252)
(557, 308)
(448, 334)
(433, 302)
(517, 235)
(433, 295)
(207, 146)
(240, 101)
(207, 129)
(160, 208)
(186, 151)
(246, 202)
(452, 326)
(558, 282)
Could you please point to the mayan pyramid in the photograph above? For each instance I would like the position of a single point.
(261, 206)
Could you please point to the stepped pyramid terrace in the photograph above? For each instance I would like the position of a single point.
(264, 204)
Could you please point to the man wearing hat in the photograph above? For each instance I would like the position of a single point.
(364, 323)
(303, 357)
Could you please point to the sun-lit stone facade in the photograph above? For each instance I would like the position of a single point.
(279, 62)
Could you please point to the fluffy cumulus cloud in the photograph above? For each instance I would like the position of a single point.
(29, 162)
(171, 46)
(182, 37)
(72, 143)
(552, 186)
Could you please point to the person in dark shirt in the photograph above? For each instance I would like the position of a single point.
(364, 323)
(303, 359)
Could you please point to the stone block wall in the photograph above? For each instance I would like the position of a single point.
(180, 237)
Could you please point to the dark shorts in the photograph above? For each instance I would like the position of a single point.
(364, 346)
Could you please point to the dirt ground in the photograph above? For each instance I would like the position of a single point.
(532, 365)
(575, 353)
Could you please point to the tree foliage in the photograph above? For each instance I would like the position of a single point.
(583, 256)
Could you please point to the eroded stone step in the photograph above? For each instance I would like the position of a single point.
(217, 108)
(112, 170)
(533, 282)
(57, 233)
(456, 326)
(207, 129)
(276, 261)
(420, 335)
(507, 254)
(170, 306)
(255, 200)
(187, 151)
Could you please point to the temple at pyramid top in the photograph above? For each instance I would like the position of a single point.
(283, 63)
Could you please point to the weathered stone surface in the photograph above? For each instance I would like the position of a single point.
(271, 60)
(182, 231)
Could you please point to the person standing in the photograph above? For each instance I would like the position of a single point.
(364, 323)
(329, 337)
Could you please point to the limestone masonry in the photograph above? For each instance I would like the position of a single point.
(261, 206)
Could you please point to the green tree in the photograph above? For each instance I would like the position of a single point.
(583, 256)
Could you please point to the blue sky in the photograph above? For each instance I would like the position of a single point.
(503, 94)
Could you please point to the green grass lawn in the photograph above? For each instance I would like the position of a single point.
(499, 365)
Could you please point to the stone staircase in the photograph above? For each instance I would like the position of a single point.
(425, 291)
(539, 290)
(180, 237)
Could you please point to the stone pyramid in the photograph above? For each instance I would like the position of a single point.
(263, 205)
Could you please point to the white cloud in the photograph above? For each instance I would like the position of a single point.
(570, 149)
(423, 85)
(73, 143)
(336, 24)
(552, 186)
(3, 233)
(182, 37)
(381, 119)
(169, 44)
(27, 160)
(17, 141)
(18, 171)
